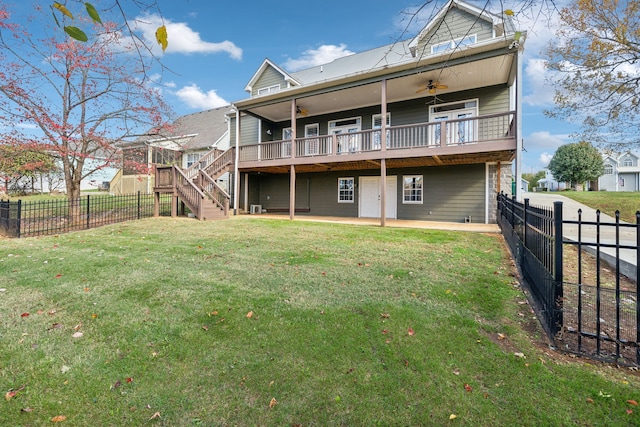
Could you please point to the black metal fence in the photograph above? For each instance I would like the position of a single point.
(585, 294)
(35, 218)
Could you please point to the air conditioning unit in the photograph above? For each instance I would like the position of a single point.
(255, 209)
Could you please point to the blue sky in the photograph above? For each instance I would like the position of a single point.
(215, 48)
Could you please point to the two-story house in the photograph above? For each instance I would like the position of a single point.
(621, 172)
(426, 128)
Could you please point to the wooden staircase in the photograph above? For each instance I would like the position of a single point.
(196, 187)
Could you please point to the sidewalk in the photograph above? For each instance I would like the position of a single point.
(628, 257)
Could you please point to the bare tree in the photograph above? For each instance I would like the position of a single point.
(83, 97)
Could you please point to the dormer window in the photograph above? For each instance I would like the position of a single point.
(452, 44)
(628, 161)
(268, 90)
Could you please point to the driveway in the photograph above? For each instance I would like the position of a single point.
(570, 208)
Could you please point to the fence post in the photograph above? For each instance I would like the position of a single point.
(138, 204)
(88, 213)
(524, 222)
(18, 219)
(513, 212)
(557, 270)
(637, 287)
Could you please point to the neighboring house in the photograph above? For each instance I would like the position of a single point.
(621, 172)
(422, 129)
(189, 138)
(549, 183)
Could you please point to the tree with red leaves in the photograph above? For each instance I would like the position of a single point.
(82, 98)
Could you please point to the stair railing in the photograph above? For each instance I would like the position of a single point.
(189, 192)
(216, 193)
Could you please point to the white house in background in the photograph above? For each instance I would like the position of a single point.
(549, 183)
(621, 172)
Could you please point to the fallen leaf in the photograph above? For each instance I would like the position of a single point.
(77, 327)
(86, 289)
(632, 402)
(589, 400)
(52, 312)
(453, 416)
(385, 315)
(468, 388)
(58, 419)
(518, 354)
(154, 416)
(629, 411)
(58, 276)
(501, 336)
(250, 315)
(205, 327)
(27, 409)
(10, 395)
(24, 315)
(77, 335)
(129, 380)
(384, 331)
(116, 385)
(273, 403)
(456, 372)
(94, 316)
(410, 332)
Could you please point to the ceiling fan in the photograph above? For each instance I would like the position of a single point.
(432, 86)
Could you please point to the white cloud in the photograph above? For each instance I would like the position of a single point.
(545, 158)
(541, 91)
(195, 97)
(545, 140)
(181, 38)
(322, 55)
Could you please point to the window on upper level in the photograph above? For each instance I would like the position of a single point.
(452, 44)
(628, 161)
(608, 169)
(269, 89)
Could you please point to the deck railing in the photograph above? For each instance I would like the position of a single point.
(446, 133)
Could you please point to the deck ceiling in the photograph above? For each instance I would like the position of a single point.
(448, 160)
(464, 76)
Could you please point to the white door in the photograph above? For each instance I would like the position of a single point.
(455, 133)
(369, 199)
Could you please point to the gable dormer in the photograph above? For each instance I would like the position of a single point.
(269, 79)
(628, 160)
(458, 24)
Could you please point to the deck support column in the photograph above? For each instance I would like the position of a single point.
(383, 192)
(236, 172)
(292, 193)
(383, 149)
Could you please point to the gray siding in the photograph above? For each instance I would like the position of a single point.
(493, 99)
(248, 131)
(456, 24)
(270, 77)
(450, 193)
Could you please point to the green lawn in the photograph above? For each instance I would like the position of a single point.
(254, 322)
(609, 202)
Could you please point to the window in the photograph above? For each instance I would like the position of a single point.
(345, 190)
(412, 189)
(269, 89)
(608, 170)
(192, 158)
(628, 161)
(452, 44)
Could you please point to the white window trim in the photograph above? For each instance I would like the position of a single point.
(353, 191)
(269, 89)
(608, 169)
(627, 162)
(452, 44)
(412, 202)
